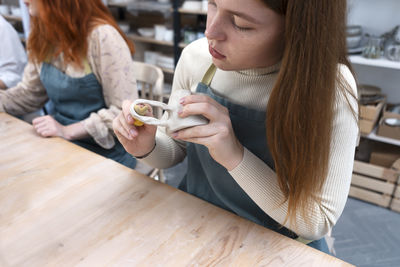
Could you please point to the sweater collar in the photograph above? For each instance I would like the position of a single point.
(261, 71)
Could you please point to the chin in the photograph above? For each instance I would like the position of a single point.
(223, 65)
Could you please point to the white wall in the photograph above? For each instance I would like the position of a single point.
(377, 17)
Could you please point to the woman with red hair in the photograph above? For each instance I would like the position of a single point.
(81, 61)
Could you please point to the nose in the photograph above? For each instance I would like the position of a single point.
(215, 28)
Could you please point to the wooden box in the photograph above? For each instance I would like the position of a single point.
(369, 115)
(386, 130)
(373, 183)
(395, 205)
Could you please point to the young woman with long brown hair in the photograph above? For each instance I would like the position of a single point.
(280, 99)
(81, 61)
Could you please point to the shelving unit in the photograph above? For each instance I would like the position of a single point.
(12, 18)
(375, 137)
(378, 63)
(175, 12)
(381, 62)
(16, 21)
(170, 71)
(193, 12)
(151, 40)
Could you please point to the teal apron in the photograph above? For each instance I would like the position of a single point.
(210, 181)
(73, 100)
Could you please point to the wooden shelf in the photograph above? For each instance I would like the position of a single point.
(122, 4)
(12, 18)
(170, 71)
(381, 62)
(193, 12)
(136, 37)
(375, 137)
(151, 40)
(182, 45)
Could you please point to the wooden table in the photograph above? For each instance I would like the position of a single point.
(61, 205)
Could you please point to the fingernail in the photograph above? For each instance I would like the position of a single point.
(174, 135)
(133, 132)
(180, 112)
(182, 100)
(129, 118)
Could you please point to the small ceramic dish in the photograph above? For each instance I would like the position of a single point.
(146, 32)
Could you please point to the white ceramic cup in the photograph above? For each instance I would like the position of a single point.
(159, 32)
(168, 35)
(173, 122)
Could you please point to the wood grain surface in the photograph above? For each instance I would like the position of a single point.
(61, 205)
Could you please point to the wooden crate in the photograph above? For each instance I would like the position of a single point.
(373, 183)
(369, 116)
(395, 205)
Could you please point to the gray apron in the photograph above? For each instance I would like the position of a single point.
(73, 100)
(210, 181)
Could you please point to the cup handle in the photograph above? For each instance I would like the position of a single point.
(147, 119)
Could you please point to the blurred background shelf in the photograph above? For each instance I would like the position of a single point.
(194, 12)
(151, 40)
(12, 18)
(375, 137)
(170, 71)
(381, 62)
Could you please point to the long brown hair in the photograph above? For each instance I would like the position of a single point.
(300, 110)
(62, 26)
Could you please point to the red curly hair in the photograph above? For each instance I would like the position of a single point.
(62, 26)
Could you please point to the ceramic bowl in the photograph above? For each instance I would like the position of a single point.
(146, 32)
(353, 30)
(353, 41)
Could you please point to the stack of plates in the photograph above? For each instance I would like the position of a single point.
(165, 61)
(353, 39)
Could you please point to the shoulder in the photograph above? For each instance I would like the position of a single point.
(347, 76)
(195, 60)
(104, 33)
(6, 29)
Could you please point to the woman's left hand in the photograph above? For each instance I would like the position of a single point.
(47, 126)
(217, 135)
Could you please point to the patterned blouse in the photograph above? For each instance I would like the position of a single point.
(111, 62)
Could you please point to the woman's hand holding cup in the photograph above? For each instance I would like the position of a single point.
(137, 140)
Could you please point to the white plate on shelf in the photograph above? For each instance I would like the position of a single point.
(146, 32)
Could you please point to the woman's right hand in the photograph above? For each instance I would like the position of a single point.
(137, 140)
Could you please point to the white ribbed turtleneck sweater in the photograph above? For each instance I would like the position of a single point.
(252, 88)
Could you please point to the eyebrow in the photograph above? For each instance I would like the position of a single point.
(244, 16)
(240, 14)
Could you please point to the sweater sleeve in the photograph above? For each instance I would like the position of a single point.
(111, 62)
(169, 151)
(12, 55)
(27, 96)
(261, 183)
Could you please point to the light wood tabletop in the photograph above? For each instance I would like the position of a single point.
(61, 205)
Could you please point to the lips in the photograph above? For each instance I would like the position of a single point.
(215, 53)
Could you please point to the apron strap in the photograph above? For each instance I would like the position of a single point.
(304, 241)
(209, 75)
(86, 65)
(207, 78)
